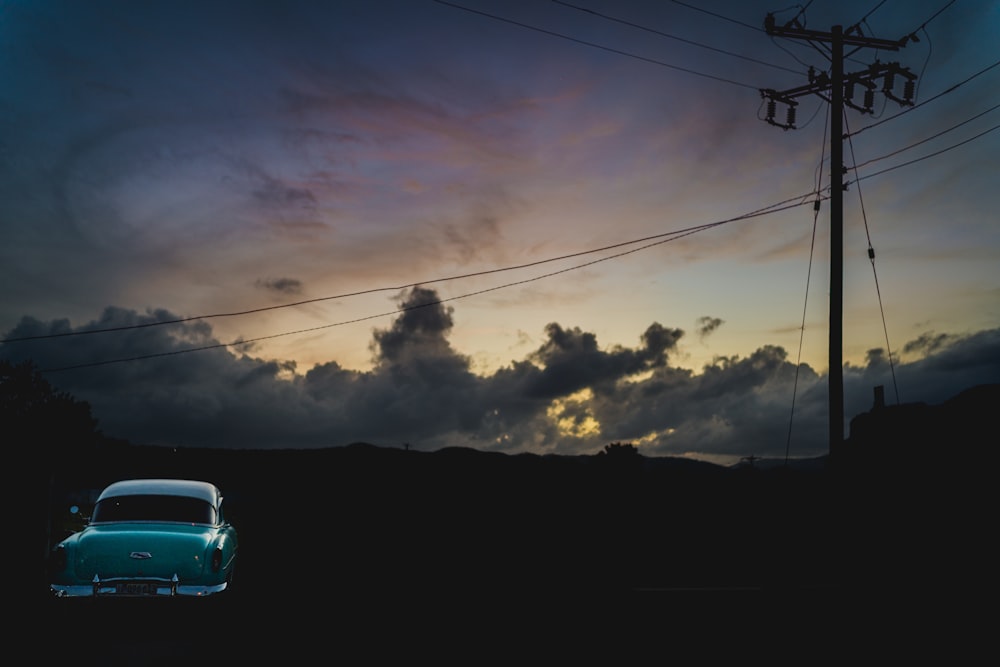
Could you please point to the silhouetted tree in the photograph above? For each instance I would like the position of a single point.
(619, 450)
(39, 419)
(48, 432)
(620, 459)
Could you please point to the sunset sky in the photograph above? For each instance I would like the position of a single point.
(165, 161)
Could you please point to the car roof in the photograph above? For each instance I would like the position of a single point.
(164, 487)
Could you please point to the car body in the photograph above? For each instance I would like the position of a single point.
(149, 538)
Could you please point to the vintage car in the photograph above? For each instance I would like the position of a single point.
(149, 538)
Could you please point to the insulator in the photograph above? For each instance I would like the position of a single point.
(889, 81)
(772, 106)
(909, 90)
(790, 117)
(869, 98)
(871, 253)
(849, 91)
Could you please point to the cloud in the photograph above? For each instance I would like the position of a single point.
(569, 395)
(927, 343)
(707, 325)
(571, 360)
(283, 286)
(420, 332)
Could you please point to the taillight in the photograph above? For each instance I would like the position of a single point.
(216, 559)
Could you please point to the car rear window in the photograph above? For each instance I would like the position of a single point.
(153, 508)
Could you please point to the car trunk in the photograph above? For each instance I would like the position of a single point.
(156, 550)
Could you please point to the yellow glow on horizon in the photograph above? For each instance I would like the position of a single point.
(653, 437)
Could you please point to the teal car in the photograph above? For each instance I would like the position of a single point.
(149, 538)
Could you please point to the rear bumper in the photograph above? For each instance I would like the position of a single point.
(136, 588)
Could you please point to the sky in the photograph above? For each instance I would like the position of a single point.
(517, 226)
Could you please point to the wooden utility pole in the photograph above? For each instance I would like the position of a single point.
(832, 88)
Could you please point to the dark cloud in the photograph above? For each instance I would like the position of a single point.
(963, 362)
(927, 343)
(876, 358)
(956, 363)
(264, 372)
(571, 360)
(736, 376)
(423, 392)
(658, 341)
(423, 327)
(288, 286)
(707, 325)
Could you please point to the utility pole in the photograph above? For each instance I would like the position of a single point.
(838, 89)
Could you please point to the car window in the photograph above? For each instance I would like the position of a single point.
(153, 508)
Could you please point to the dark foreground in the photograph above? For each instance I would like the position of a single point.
(385, 554)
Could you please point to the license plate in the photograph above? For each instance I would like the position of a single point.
(136, 589)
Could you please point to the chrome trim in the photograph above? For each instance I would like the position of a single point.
(109, 588)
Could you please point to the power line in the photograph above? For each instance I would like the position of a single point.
(672, 236)
(936, 14)
(675, 236)
(913, 34)
(924, 141)
(596, 46)
(795, 57)
(805, 303)
(669, 36)
(663, 238)
(718, 16)
(929, 155)
(802, 10)
(870, 12)
(927, 35)
(927, 60)
(871, 257)
(397, 288)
